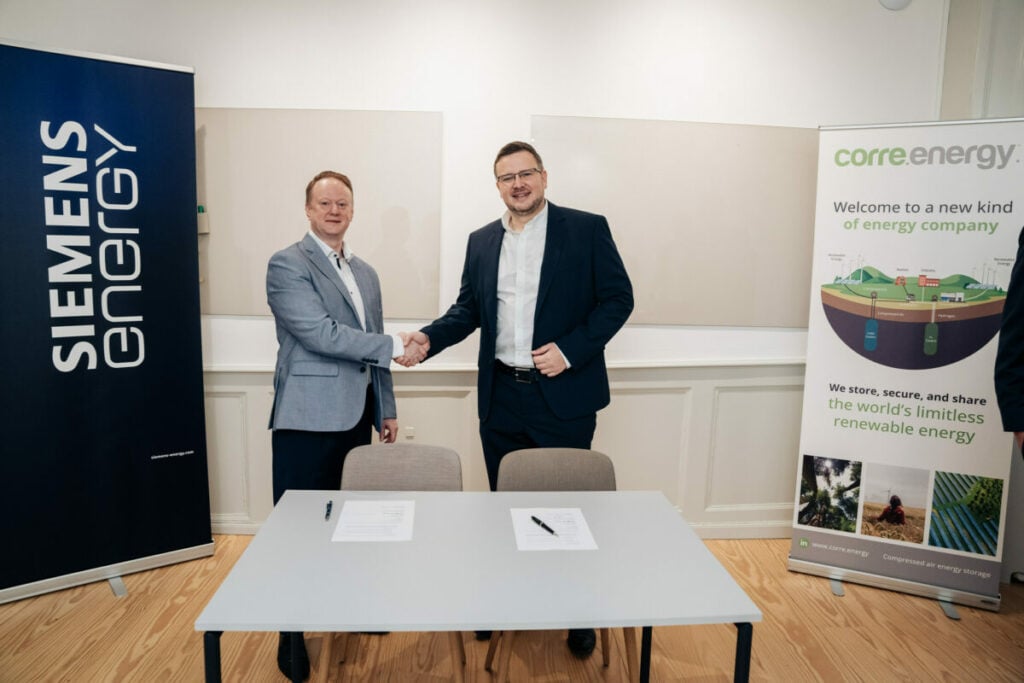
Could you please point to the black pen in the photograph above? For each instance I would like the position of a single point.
(543, 526)
(327, 515)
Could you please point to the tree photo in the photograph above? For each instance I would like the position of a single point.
(829, 493)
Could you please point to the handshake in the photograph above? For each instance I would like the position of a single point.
(416, 345)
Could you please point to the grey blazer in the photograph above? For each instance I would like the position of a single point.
(324, 355)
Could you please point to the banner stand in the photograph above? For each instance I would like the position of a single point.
(103, 456)
(109, 572)
(923, 590)
(903, 468)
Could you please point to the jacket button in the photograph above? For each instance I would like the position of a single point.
(362, 368)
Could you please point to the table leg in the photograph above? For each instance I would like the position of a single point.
(744, 640)
(298, 645)
(211, 656)
(645, 654)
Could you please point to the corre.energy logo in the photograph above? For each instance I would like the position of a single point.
(985, 157)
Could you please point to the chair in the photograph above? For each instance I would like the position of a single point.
(402, 467)
(558, 469)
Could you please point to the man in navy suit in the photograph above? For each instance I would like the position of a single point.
(332, 384)
(1009, 373)
(547, 289)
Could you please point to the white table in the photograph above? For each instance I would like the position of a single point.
(463, 572)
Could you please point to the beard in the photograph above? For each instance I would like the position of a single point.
(530, 209)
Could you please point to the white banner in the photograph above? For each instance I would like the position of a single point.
(903, 468)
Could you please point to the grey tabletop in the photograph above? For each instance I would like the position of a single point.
(462, 570)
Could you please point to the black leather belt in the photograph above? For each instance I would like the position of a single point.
(524, 375)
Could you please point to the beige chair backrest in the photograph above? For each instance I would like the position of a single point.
(556, 469)
(559, 469)
(402, 467)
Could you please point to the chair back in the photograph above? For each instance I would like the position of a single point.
(402, 467)
(556, 469)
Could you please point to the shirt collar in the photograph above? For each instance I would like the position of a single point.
(541, 219)
(346, 253)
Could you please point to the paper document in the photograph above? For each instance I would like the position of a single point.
(375, 520)
(551, 529)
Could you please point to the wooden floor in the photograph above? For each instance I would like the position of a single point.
(88, 634)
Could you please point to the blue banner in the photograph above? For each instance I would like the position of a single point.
(103, 439)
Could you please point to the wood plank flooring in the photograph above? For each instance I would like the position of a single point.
(88, 634)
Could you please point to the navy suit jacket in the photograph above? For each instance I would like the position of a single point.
(585, 296)
(1009, 374)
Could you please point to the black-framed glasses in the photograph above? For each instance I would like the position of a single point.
(510, 178)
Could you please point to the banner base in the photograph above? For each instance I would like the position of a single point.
(924, 590)
(57, 583)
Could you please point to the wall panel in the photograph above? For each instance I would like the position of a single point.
(690, 432)
(714, 221)
(752, 457)
(253, 167)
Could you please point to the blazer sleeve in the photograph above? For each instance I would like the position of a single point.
(1009, 369)
(463, 317)
(297, 300)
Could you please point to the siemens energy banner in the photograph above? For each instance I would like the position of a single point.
(903, 468)
(102, 444)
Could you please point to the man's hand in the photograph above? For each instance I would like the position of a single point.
(389, 430)
(549, 360)
(416, 345)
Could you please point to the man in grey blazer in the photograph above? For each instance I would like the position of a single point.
(331, 383)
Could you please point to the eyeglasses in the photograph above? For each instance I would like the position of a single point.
(510, 178)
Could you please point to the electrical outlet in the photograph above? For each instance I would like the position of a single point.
(409, 432)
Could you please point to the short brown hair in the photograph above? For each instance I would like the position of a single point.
(517, 146)
(327, 174)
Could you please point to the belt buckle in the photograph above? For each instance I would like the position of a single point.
(523, 375)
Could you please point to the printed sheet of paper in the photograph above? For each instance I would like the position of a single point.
(375, 520)
(566, 529)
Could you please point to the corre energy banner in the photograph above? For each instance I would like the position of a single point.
(903, 468)
(103, 454)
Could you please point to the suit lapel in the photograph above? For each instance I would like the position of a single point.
(554, 245)
(489, 259)
(325, 267)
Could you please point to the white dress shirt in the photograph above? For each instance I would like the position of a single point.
(518, 283)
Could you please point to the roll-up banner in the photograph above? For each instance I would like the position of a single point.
(903, 465)
(101, 415)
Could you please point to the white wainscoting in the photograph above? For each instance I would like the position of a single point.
(720, 441)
